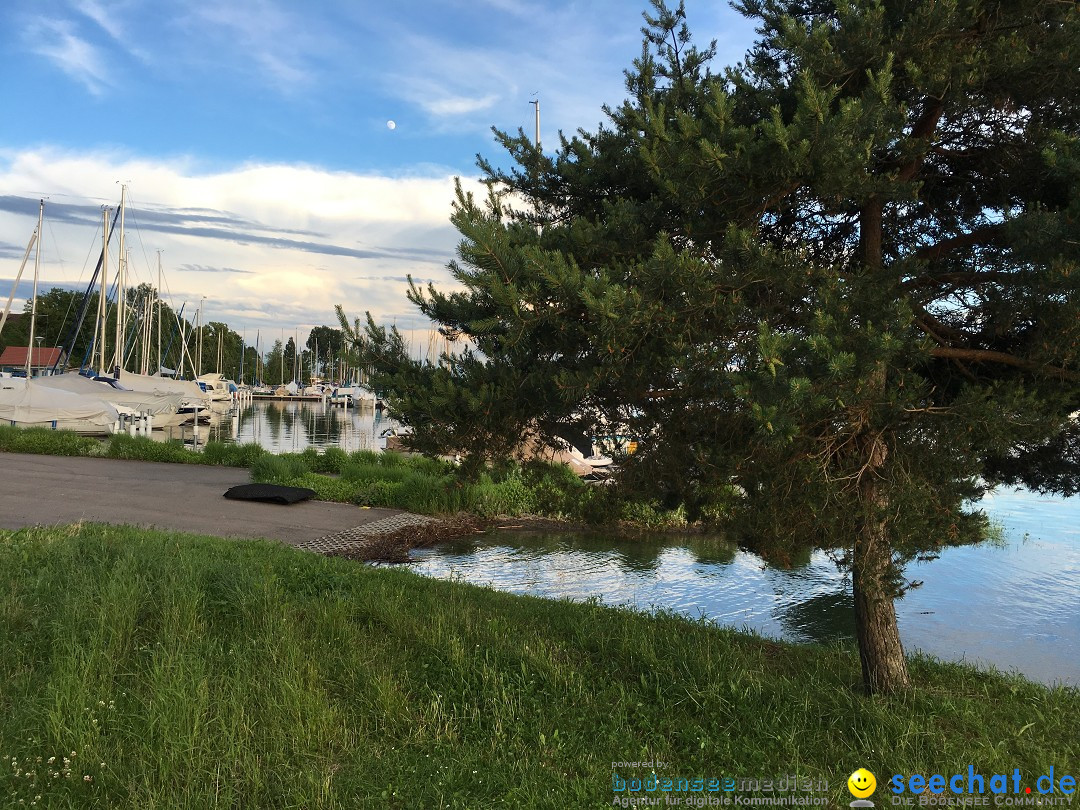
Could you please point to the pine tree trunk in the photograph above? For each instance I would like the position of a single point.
(881, 652)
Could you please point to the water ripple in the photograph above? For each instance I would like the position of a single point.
(1013, 605)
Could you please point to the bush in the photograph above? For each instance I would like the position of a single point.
(47, 442)
(327, 489)
(428, 494)
(271, 469)
(364, 457)
(332, 460)
(376, 493)
(391, 459)
(231, 455)
(557, 491)
(651, 516)
(362, 471)
(140, 448)
(430, 466)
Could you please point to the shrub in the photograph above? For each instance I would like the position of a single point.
(428, 494)
(376, 493)
(231, 455)
(271, 469)
(363, 471)
(332, 460)
(44, 441)
(140, 448)
(558, 492)
(391, 459)
(327, 489)
(364, 457)
(430, 466)
(651, 516)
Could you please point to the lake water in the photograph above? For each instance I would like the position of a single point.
(291, 426)
(1015, 605)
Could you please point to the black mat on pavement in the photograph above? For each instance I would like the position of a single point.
(269, 493)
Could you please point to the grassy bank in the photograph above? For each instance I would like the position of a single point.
(192, 673)
(413, 483)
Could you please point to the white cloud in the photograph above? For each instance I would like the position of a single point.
(457, 105)
(277, 42)
(110, 20)
(109, 23)
(56, 41)
(290, 241)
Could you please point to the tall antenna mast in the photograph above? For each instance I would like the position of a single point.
(537, 105)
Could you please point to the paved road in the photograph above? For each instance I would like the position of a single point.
(50, 490)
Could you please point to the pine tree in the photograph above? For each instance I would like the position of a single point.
(833, 289)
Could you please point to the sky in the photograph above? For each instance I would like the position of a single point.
(285, 157)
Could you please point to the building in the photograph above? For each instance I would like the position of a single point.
(42, 360)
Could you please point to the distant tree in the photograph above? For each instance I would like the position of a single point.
(288, 359)
(834, 290)
(329, 343)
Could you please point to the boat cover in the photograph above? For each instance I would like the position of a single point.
(144, 382)
(27, 403)
(142, 401)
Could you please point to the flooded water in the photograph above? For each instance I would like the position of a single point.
(1015, 606)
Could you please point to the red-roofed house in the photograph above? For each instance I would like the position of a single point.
(42, 360)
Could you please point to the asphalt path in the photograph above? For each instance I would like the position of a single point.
(53, 490)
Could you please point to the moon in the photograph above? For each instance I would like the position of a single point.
(391, 125)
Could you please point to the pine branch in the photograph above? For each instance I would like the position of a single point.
(923, 129)
(1002, 358)
(984, 235)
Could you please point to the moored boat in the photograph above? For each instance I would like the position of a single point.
(25, 403)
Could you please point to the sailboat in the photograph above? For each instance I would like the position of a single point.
(26, 403)
(165, 408)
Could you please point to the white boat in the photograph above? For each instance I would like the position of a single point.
(164, 408)
(353, 396)
(194, 402)
(217, 388)
(25, 403)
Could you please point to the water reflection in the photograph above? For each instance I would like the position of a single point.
(289, 427)
(1013, 605)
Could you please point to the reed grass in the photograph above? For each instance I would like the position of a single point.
(172, 671)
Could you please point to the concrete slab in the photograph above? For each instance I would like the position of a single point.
(50, 490)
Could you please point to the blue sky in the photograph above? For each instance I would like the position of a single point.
(254, 139)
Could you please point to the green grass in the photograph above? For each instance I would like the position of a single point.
(434, 487)
(414, 483)
(189, 672)
(43, 441)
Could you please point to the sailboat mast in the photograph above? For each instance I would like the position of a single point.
(37, 272)
(183, 344)
(157, 299)
(121, 297)
(18, 278)
(102, 309)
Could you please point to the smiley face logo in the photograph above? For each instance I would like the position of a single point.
(861, 783)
